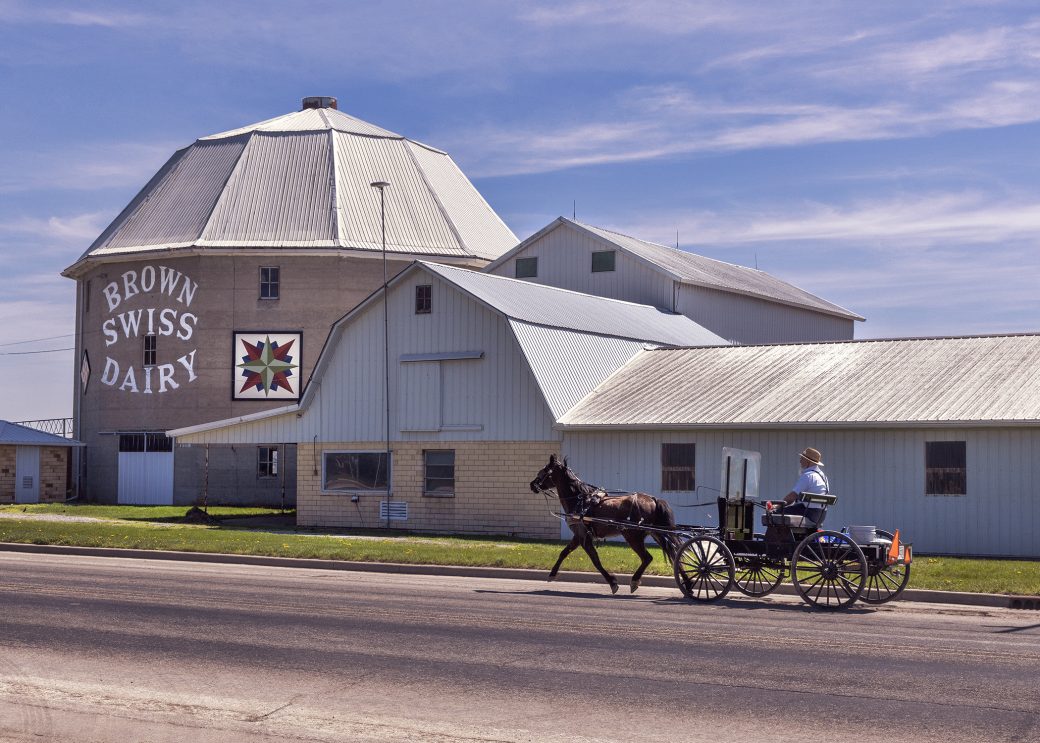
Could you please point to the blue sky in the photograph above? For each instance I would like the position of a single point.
(881, 155)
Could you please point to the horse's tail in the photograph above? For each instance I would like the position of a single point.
(664, 518)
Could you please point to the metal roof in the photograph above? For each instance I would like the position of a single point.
(303, 181)
(980, 380)
(697, 270)
(570, 310)
(11, 434)
(568, 365)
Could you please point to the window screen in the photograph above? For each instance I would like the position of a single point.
(946, 468)
(269, 282)
(423, 299)
(603, 261)
(149, 350)
(439, 476)
(266, 461)
(526, 268)
(678, 467)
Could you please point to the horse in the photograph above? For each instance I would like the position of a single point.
(587, 510)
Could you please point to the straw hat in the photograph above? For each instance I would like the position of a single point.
(813, 456)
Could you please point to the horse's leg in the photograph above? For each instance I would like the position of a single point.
(590, 550)
(568, 548)
(636, 541)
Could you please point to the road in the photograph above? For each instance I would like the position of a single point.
(103, 649)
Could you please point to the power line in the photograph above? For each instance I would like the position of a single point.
(26, 353)
(37, 340)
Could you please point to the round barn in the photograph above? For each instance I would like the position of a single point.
(212, 292)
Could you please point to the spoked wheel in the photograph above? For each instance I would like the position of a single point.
(704, 569)
(757, 575)
(828, 570)
(885, 582)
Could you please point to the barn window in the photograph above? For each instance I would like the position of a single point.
(270, 279)
(86, 297)
(346, 471)
(678, 466)
(149, 349)
(946, 468)
(603, 261)
(266, 461)
(423, 299)
(526, 268)
(439, 472)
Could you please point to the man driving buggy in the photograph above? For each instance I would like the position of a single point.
(810, 480)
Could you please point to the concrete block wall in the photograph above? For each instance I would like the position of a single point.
(491, 490)
(7, 465)
(53, 473)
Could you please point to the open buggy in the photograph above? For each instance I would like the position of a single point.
(829, 569)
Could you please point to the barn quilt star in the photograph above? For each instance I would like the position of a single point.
(267, 366)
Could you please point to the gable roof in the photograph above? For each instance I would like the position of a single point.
(556, 316)
(973, 380)
(12, 434)
(695, 270)
(302, 182)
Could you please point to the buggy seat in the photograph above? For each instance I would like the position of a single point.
(811, 517)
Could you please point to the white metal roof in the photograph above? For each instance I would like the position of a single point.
(303, 181)
(697, 270)
(978, 380)
(568, 365)
(570, 310)
(12, 434)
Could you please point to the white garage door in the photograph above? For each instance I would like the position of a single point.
(145, 469)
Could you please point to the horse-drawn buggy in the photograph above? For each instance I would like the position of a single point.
(829, 569)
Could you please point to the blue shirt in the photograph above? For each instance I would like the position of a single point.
(812, 480)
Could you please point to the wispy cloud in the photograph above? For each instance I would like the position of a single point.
(66, 230)
(670, 121)
(14, 12)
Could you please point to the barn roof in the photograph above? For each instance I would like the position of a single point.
(571, 310)
(697, 270)
(12, 434)
(975, 380)
(302, 182)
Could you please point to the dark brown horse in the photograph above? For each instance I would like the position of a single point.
(587, 508)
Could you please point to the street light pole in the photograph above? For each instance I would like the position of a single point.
(382, 185)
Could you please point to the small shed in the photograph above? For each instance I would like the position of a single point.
(34, 465)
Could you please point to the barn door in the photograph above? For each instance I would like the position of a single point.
(145, 469)
(27, 474)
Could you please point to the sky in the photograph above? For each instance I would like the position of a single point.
(881, 155)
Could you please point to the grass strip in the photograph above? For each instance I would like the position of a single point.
(158, 532)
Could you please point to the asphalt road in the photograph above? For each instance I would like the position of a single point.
(102, 649)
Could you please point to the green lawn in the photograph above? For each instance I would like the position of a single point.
(156, 528)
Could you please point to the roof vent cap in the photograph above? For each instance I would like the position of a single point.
(319, 101)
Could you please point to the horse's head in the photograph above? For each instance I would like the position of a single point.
(545, 478)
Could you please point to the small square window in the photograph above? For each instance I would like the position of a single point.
(266, 461)
(678, 467)
(946, 468)
(439, 475)
(603, 261)
(423, 299)
(526, 268)
(150, 344)
(270, 278)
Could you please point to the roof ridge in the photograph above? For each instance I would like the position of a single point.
(555, 288)
(852, 341)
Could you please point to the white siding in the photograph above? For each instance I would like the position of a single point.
(878, 475)
(565, 261)
(494, 397)
(745, 320)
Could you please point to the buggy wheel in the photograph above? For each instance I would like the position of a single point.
(828, 570)
(885, 582)
(704, 569)
(757, 575)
